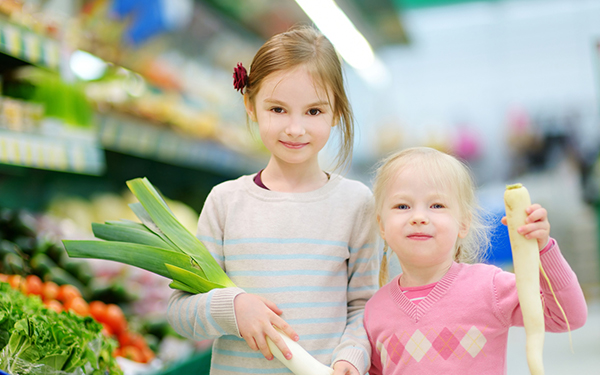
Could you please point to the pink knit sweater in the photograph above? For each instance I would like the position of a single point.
(461, 327)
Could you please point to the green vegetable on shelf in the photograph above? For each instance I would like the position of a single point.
(36, 340)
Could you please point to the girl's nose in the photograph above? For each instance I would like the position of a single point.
(295, 128)
(419, 219)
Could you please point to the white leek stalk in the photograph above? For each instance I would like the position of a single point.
(301, 363)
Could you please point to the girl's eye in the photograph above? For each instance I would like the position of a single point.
(314, 111)
(402, 206)
(277, 110)
(437, 205)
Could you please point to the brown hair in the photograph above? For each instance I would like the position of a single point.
(450, 173)
(305, 45)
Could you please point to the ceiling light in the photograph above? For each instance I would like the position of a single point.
(87, 66)
(337, 27)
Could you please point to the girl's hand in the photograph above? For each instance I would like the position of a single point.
(256, 317)
(536, 225)
(344, 368)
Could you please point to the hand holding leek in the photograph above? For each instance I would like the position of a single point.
(529, 232)
(162, 245)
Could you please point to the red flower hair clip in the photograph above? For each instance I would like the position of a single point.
(240, 78)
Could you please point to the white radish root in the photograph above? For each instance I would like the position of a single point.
(301, 363)
(526, 262)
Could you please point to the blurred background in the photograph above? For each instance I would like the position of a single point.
(97, 92)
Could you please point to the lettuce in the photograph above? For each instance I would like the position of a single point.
(36, 340)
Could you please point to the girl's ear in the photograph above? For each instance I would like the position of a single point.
(464, 227)
(249, 108)
(381, 227)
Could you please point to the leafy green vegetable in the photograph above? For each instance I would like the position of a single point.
(159, 244)
(36, 340)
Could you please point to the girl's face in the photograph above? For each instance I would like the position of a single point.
(419, 220)
(294, 116)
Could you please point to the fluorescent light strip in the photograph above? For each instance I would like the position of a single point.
(336, 26)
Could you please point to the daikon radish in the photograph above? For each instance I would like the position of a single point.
(526, 262)
(301, 363)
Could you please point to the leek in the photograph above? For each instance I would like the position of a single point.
(162, 245)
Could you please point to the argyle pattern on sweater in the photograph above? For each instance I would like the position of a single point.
(432, 345)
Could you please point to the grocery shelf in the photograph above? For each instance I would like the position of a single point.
(137, 137)
(66, 154)
(24, 44)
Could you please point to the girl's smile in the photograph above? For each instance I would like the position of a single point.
(293, 145)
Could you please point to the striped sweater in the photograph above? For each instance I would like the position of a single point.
(313, 254)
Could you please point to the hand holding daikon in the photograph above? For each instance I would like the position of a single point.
(256, 317)
(536, 225)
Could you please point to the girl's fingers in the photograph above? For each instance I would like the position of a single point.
(251, 343)
(534, 231)
(278, 341)
(535, 214)
(261, 342)
(271, 305)
(287, 329)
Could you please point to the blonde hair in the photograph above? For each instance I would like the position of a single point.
(305, 45)
(449, 173)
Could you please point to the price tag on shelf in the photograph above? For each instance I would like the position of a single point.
(32, 48)
(11, 40)
(25, 44)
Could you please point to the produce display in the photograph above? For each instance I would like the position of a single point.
(162, 245)
(35, 339)
(37, 266)
(23, 253)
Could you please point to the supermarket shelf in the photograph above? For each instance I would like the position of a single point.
(76, 155)
(26, 45)
(138, 138)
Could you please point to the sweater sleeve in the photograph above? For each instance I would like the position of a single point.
(363, 268)
(567, 290)
(564, 284)
(206, 315)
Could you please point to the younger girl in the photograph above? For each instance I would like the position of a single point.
(442, 315)
(297, 240)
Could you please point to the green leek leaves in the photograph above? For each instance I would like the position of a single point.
(159, 244)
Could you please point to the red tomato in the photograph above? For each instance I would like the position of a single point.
(98, 311)
(67, 292)
(148, 355)
(78, 306)
(34, 285)
(15, 281)
(132, 353)
(115, 318)
(54, 305)
(107, 331)
(49, 290)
